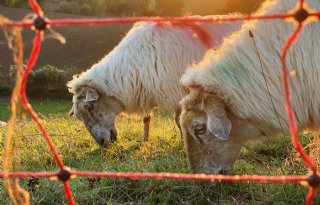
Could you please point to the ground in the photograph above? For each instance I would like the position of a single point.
(163, 153)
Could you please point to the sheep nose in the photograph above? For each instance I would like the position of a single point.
(101, 142)
(113, 135)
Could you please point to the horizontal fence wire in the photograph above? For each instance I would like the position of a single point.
(300, 15)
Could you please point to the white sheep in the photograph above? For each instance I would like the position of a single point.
(229, 102)
(142, 72)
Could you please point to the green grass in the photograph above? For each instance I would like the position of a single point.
(42, 107)
(163, 153)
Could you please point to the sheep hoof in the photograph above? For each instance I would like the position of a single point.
(144, 138)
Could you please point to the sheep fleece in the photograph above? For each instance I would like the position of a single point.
(234, 71)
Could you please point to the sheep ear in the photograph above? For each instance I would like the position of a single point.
(219, 124)
(91, 95)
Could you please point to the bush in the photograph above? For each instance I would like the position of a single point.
(13, 3)
(46, 78)
(169, 7)
(64, 6)
(103, 7)
(13, 73)
(86, 9)
(5, 90)
(68, 7)
(127, 8)
(74, 7)
(98, 7)
(248, 6)
(48, 81)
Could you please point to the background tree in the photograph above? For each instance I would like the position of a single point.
(13, 3)
(144, 8)
(242, 6)
(127, 8)
(205, 7)
(169, 7)
(47, 78)
(48, 81)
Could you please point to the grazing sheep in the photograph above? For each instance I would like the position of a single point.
(142, 72)
(229, 103)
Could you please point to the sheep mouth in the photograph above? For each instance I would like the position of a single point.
(104, 142)
(113, 136)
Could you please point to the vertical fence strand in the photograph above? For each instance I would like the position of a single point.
(35, 7)
(311, 195)
(289, 110)
(32, 60)
(68, 194)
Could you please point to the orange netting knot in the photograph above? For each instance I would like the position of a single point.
(314, 180)
(40, 23)
(64, 175)
(301, 15)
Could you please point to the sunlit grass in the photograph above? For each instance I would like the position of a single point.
(43, 107)
(163, 153)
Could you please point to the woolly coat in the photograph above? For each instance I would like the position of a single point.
(235, 74)
(144, 70)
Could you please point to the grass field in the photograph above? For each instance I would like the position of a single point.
(163, 153)
(45, 108)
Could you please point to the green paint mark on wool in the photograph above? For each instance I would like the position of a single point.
(231, 71)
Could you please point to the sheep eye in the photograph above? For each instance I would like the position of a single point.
(200, 129)
(89, 107)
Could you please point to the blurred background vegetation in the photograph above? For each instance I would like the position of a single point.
(45, 82)
(141, 7)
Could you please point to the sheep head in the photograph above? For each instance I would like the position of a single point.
(213, 136)
(97, 112)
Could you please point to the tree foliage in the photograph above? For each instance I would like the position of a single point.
(46, 78)
(127, 8)
(242, 6)
(13, 3)
(169, 7)
(47, 81)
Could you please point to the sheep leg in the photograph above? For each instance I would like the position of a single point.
(146, 126)
(177, 114)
